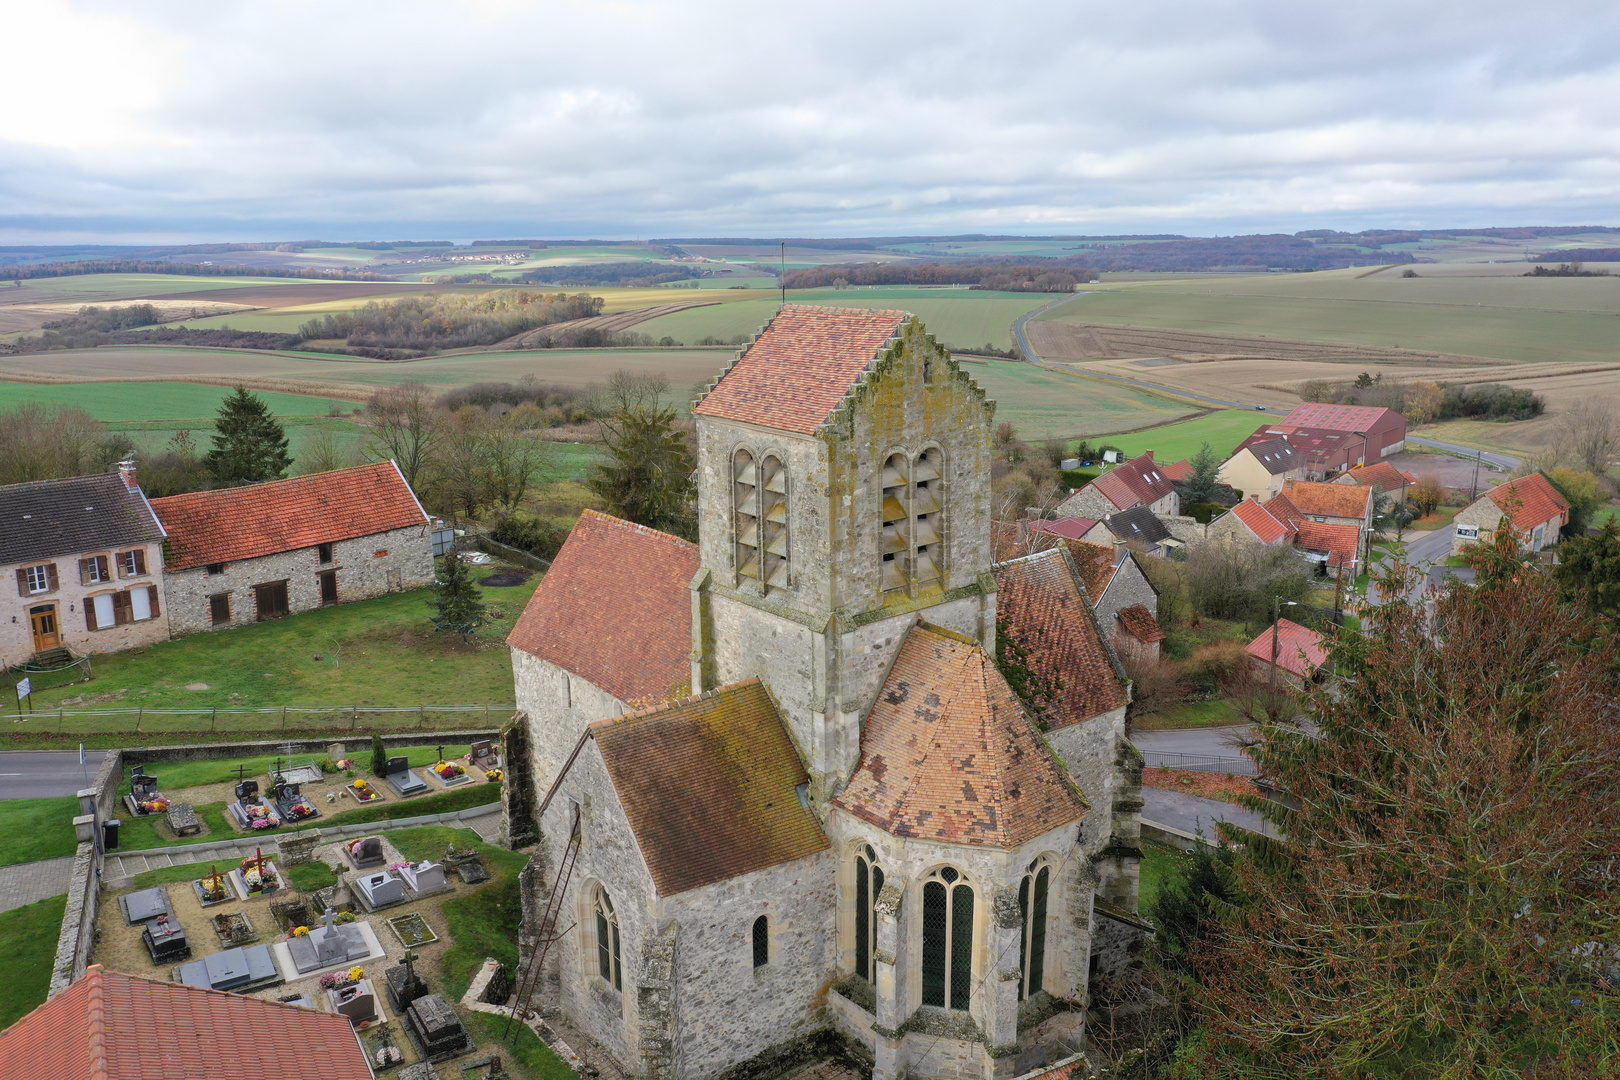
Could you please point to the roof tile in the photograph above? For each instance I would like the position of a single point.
(233, 524)
(615, 609)
(1140, 624)
(1538, 501)
(1356, 418)
(947, 753)
(1299, 648)
(1261, 521)
(1380, 474)
(46, 518)
(710, 787)
(1329, 500)
(797, 371)
(1341, 542)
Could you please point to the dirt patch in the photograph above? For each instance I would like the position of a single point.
(505, 578)
(1454, 472)
(1207, 785)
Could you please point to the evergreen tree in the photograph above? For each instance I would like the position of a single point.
(1589, 568)
(249, 446)
(1436, 899)
(648, 477)
(379, 756)
(457, 603)
(1205, 480)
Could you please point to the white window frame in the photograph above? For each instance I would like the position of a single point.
(39, 579)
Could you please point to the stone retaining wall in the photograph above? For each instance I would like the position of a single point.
(353, 746)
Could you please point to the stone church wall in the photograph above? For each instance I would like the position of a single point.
(406, 562)
(728, 1010)
(560, 706)
(1088, 749)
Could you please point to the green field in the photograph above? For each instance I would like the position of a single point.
(1222, 430)
(1513, 318)
(27, 948)
(118, 402)
(99, 288)
(1042, 403)
(34, 829)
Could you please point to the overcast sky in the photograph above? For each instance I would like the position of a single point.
(279, 119)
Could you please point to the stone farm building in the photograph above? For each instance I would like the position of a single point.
(777, 774)
(1536, 509)
(86, 555)
(246, 554)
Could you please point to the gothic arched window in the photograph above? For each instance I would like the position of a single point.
(609, 963)
(947, 945)
(868, 883)
(762, 941)
(911, 551)
(1032, 904)
(759, 518)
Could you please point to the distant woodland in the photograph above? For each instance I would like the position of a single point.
(145, 266)
(1003, 277)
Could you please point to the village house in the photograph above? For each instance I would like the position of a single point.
(112, 1026)
(1334, 438)
(1137, 482)
(794, 796)
(1535, 508)
(1260, 468)
(247, 554)
(1333, 504)
(86, 554)
(1125, 600)
(1287, 652)
(1330, 545)
(1383, 478)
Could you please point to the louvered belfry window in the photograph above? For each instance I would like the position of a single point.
(1032, 901)
(913, 557)
(947, 947)
(760, 518)
(868, 883)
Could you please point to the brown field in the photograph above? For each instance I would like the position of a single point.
(1066, 340)
(24, 317)
(612, 323)
(293, 294)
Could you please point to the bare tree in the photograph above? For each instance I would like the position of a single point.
(46, 442)
(1590, 433)
(323, 450)
(511, 462)
(403, 426)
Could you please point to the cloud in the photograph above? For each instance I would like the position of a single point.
(412, 118)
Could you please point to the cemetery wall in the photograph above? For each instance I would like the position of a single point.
(79, 919)
(354, 746)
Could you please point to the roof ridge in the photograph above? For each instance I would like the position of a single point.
(646, 530)
(262, 484)
(673, 703)
(1041, 554)
(95, 1018)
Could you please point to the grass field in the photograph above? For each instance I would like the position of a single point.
(1222, 430)
(1512, 318)
(1042, 403)
(27, 949)
(118, 402)
(34, 829)
(372, 652)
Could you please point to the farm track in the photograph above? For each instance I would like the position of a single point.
(613, 323)
(1065, 340)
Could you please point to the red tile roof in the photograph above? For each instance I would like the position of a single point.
(1140, 624)
(1096, 565)
(1380, 475)
(1178, 471)
(1047, 614)
(112, 1026)
(1329, 500)
(1071, 528)
(1137, 482)
(1260, 522)
(947, 753)
(615, 609)
(1341, 542)
(1538, 501)
(1281, 508)
(1299, 648)
(710, 787)
(233, 524)
(798, 370)
(1357, 418)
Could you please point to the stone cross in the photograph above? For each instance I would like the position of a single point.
(329, 919)
(408, 960)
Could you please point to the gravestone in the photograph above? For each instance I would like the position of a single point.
(483, 754)
(142, 785)
(139, 907)
(425, 878)
(404, 782)
(184, 820)
(357, 1002)
(240, 970)
(403, 984)
(365, 853)
(437, 1029)
(291, 804)
(234, 928)
(380, 890)
(327, 945)
(165, 939)
(466, 863)
(299, 848)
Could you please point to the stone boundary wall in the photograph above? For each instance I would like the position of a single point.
(1169, 836)
(353, 746)
(73, 941)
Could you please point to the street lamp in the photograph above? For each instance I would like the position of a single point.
(1277, 604)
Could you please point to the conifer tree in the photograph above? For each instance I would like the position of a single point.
(457, 603)
(249, 445)
(379, 756)
(1205, 480)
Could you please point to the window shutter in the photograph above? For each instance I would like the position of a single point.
(123, 609)
(22, 583)
(140, 561)
(50, 571)
(152, 590)
(90, 615)
(84, 571)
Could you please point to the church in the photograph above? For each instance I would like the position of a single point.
(782, 789)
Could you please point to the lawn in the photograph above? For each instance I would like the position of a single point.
(37, 829)
(1042, 403)
(310, 876)
(1438, 520)
(117, 403)
(27, 953)
(1216, 712)
(1223, 431)
(372, 652)
(1158, 863)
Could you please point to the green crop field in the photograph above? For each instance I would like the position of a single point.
(1513, 318)
(101, 288)
(117, 402)
(1222, 430)
(1042, 403)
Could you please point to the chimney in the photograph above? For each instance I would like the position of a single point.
(1149, 454)
(126, 469)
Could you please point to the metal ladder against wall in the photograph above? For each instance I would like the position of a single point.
(547, 934)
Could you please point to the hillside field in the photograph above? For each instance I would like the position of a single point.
(118, 403)
(1222, 430)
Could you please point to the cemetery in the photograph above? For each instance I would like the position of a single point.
(244, 927)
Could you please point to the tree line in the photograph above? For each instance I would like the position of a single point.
(157, 266)
(1423, 402)
(1007, 277)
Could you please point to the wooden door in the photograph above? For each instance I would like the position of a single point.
(329, 593)
(271, 600)
(46, 633)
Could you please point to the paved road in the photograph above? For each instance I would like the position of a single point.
(1189, 813)
(1211, 749)
(1501, 461)
(46, 774)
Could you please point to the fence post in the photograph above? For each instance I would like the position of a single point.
(354, 720)
(138, 716)
(421, 717)
(213, 718)
(61, 718)
(284, 719)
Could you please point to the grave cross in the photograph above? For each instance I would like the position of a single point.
(241, 772)
(408, 960)
(329, 919)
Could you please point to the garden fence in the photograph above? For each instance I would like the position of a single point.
(292, 719)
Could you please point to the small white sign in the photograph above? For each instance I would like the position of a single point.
(25, 688)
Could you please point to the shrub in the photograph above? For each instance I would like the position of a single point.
(379, 757)
(537, 536)
(1216, 667)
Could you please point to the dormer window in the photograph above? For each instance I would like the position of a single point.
(913, 556)
(760, 519)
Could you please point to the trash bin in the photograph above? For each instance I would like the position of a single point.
(109, 834)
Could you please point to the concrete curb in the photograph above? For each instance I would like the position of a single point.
(339, 830)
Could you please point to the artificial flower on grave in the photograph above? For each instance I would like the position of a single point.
(360, 784)
(448, 770)
(263, 823)
(300, 931)
(494, 776)
(357, 973)
(344, 918)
